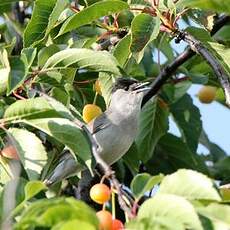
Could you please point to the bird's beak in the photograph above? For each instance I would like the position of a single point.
(141, 87)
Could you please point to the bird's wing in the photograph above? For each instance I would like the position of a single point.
(99, 123)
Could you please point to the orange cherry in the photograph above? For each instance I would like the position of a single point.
(105, 220)
(100, 193)
(117, 225)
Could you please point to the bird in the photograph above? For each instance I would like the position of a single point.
(114, 130)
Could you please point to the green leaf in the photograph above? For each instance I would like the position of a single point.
(35, 30)
(31, 152)
(220, 52)
(28, 55)
(131, 159)
(144, 29)
(38, 107)
(35, 107)
(60, 5)
(170, 207)
(74, 225)
(32, 188)
(18, 73)
(178, 155)
(222, 169)
(215, 5)
(121, 51)
(19, 68)
(188, 118)
(153, 124)
(54, 212)
(4, 71)
(67, 133)
(223, 53)
(158, 223)
(5, 175)
(62, 110)
(189, 184)
(106, 84)
(225, 193)
(99, 61)
(175, 92)
(92, 13)
(47, 52)
(214, 150)
(216, 213)
(143, 183)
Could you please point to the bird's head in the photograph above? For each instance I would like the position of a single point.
(127, 93)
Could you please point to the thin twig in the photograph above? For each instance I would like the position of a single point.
(171, 68)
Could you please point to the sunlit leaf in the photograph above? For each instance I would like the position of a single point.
(31, 152)
(189, 184)
(92, 13)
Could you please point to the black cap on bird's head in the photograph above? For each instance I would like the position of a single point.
(129, 84)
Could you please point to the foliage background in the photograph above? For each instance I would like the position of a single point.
(51, 53)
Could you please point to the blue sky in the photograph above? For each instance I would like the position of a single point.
(215, 118)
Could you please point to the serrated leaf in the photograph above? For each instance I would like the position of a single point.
(51, 212)
(19, 67)
(67, 133)
(17, 75)
(215, 5)
(188, 118)
(60, 5)
(153, 124)
(47, 52)
(92, 13)
(214, 150)
(28, 55)
(223, 53)
(178, 155)
(74, 225)
(121, 51)
(32, 188)
(4, 71)
(143, 183)
(35, 30)
(222, 169)
(216, 212)
(99, 61)
(172, 207)
(156, 223)
(189, 184)
(220, 52)
(32, 108)
(5, 175)
(106, 84)
(144, 29)
(31, 152)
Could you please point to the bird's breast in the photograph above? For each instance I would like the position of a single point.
(116, 139)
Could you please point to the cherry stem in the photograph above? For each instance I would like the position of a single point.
(18, 96)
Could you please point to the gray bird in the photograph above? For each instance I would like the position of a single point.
(114, 130)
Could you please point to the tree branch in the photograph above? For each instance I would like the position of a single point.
(218, 69)
(171, 68)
